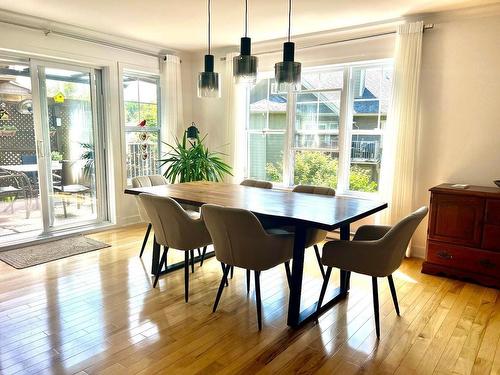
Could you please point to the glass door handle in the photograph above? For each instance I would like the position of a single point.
(41, 151)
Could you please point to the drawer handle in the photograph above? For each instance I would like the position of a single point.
(444, 255)
(487, 263)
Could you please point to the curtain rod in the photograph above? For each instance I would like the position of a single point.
(426, 27)
(83, 38)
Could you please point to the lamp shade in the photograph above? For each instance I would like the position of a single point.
(208, 80)
(288, 72)
(192, 132)
(245, 65)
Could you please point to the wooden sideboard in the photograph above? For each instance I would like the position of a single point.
(463, 237)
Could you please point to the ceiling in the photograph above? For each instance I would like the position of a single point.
(181, 24)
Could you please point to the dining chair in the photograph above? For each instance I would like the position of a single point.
(266, 223)
(144, 181)
(376, 251)
(240, 240)
(257, 183)
(175, 228)
(315, 236)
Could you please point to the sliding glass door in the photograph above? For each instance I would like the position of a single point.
(62, 161)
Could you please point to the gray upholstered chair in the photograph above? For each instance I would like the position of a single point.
(175, 228)
(376, 250)
(155, 180)
(143, 181)
(266, 223)
(315, 236)
(241, 241)
(257, 184)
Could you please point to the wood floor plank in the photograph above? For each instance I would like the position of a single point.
(97, 313)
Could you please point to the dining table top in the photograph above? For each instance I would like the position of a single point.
(320, 211)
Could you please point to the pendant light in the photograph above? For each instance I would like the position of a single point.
(208, 80)
(287, 73)
(245, 65)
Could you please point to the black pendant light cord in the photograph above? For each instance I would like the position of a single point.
(289, 18)
(246, 18)
(209, 14)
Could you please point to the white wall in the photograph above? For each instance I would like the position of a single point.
(460, 105)
(19, 41)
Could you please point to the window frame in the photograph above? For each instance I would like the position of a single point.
(134, 128)
(345, 129)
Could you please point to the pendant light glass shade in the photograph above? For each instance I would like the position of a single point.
(208, 80)
(245, 65)
(288, 72)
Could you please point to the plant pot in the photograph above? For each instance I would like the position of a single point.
(8, 133)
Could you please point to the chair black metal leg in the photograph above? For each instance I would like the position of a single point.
(288, 273)
(248, 281)
(160, 266)
(257, 297)
(323, 287)
(203, 256)
(232, 271)
(224, 270)
(375, 306)
(191, 252)
(199, 252)
(393, 292)
(318, 258)
(221, 286)
(146, 236)
(186, 275)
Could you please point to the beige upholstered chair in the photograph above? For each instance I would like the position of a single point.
(241, 241)
(257, 184)
(315, 236)
(376, 251)
(144, 181)
(175, 228)
(262, 185)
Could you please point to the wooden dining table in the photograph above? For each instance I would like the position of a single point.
(282, 207)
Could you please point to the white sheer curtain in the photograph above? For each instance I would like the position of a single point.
(171, 99)
(235, 121)
(402, 125)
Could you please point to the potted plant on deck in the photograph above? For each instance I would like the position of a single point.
(8, 131)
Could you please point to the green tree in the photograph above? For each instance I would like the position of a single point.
(318, 168)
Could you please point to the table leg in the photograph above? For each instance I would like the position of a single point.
(297, 273)
(345, 276)
(296, 316)
(155, 263)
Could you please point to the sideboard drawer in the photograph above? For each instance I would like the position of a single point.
(478, 261)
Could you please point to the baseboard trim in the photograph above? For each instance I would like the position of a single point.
(418, 252)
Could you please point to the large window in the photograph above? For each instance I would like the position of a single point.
(142, 124)
(328, 134)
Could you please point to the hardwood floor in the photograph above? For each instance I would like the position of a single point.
(97, 313)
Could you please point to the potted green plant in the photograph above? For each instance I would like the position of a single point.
(8, 131)
(190, 160)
